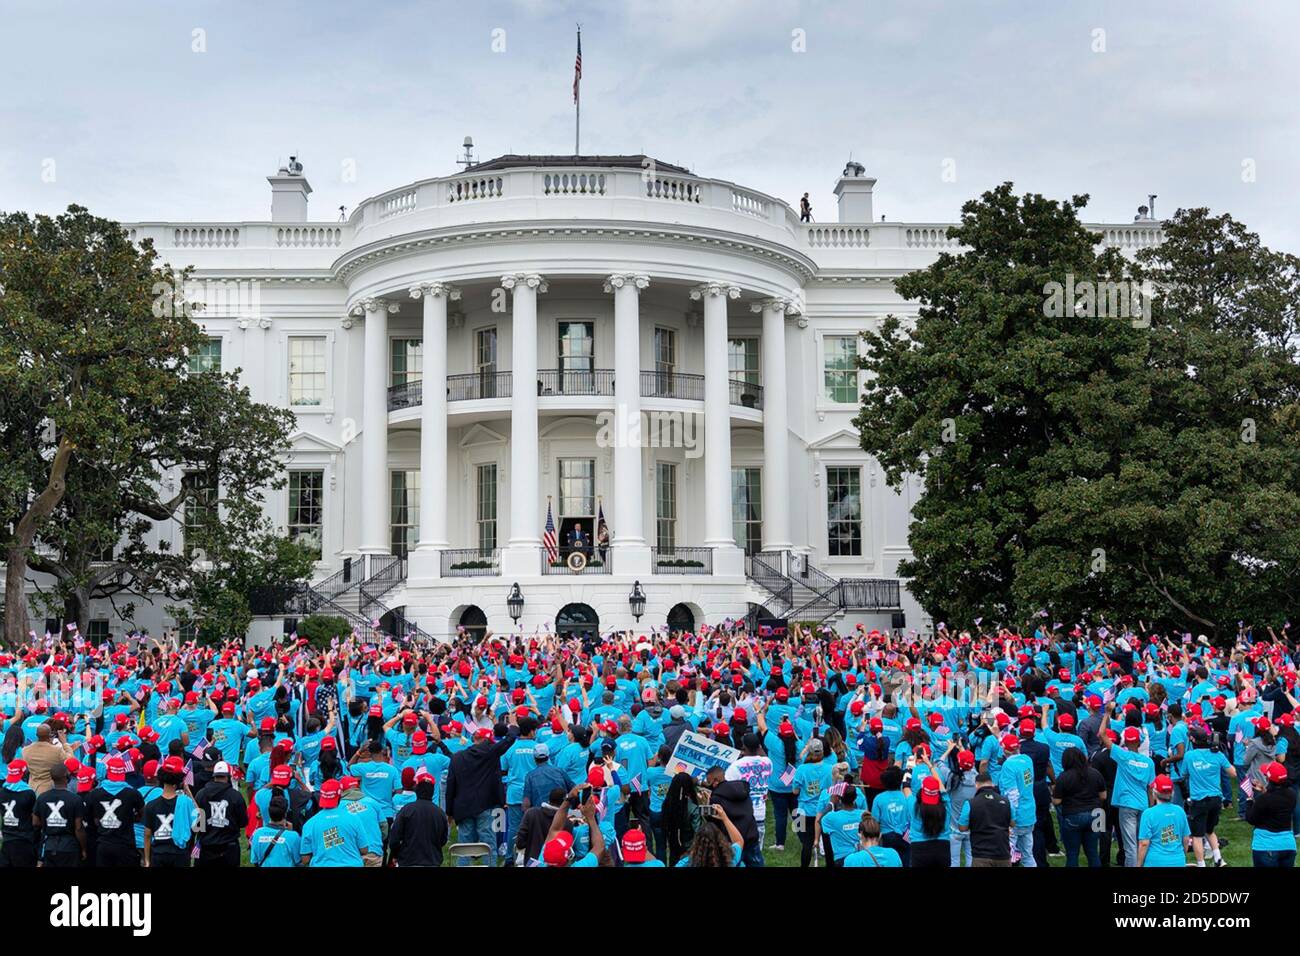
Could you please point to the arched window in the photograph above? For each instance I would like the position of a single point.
(681, 619)
(474, 621)
(577, 620)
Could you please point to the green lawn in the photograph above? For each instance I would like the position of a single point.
(1237, 852)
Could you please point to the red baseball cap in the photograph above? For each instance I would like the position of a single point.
(1027, 728)
(930, 792)
(1065, 720)
(596, 777)
(634, 846)
(965, 760)
(116, 767)
(85, 779)
(1274, 772)
(936, 718)
(1010, 742)
(329, 743)
(281, 776)
(16, 770)
(1132, 735)
(266, 725)
(1163, 783)
(173, 764)
(558, 851)
(330, 792)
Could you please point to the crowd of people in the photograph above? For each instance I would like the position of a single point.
(956, 747)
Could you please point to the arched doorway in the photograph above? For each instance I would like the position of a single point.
(577, 620)
(474, 621)
(681, 619)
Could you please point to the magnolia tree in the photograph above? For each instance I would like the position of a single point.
(107, 434)
(1097, 436)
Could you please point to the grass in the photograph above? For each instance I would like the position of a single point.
(1237, 853)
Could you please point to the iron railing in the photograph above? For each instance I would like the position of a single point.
(386, 572)
(408, 395)
(870, 594)
(746, 394)
(764, 569)
(555, 381)
(597, 562)
(478, 385)
(682, 560)
(680, 385)
(470, 562)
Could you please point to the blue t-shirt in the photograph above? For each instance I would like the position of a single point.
(1203, 767)
(876, 856)
(893, 810)
(379, 781)
(1016, 781)
(811, 781)
(1165, 825)
(334, 838)
(1134, 774)
(842, 828)
(275, 847)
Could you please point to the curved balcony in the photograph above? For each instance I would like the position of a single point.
(561, 383)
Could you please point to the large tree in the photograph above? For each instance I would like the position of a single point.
(1084, 461)
(100, 413)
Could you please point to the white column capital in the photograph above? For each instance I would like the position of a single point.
(530, 279)
(421, 289)
(366, 306)
(618, 280)
(777, 303)
(710, 289)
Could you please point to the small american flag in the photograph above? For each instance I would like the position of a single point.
(548, 537)
(787, 776)
(577, 68)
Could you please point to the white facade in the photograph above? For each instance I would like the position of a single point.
(457, 344)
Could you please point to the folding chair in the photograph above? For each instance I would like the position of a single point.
(472, 851)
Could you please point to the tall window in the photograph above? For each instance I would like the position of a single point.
(665, 360)
(200, 509)
(207, 357)
(485, 361)
(747, 508)
(406, 361)
(486, 480)
(307, 370)
(98, 630)
(404, 510)
(742, 360)
(840, 368)
(844, 511)
(665, 506)
(577, 487)
(306, 494)
(577, 357)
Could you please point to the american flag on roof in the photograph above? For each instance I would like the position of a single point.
(577, 68)
(548, 537)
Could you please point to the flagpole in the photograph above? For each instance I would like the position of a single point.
(577, 101)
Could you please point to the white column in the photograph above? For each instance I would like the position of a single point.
(374, 428)
(776, 454)
(628, 530)
(717, 425)
(433, 429)
(523, 556)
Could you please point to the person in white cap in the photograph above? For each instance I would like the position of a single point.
(223, 814)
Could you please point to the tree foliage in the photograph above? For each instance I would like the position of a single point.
(1144, 466)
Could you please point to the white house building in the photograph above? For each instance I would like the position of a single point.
(578, 336)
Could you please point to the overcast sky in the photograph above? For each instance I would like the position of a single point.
(1195, 101)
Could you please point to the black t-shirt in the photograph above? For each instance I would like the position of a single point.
(59, 810)
(159, 815)
(223, 813)
(114, 815)
(16, 813)
(1079, 790)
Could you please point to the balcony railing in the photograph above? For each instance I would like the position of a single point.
(870, 594)
(471, 563)
(408, 395)
(554, 381)
(597, 562)
(746, 394)
(664, 384)
(477, 385)
(682, 560)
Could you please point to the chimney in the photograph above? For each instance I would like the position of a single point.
(289, 192)
(854, 193)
